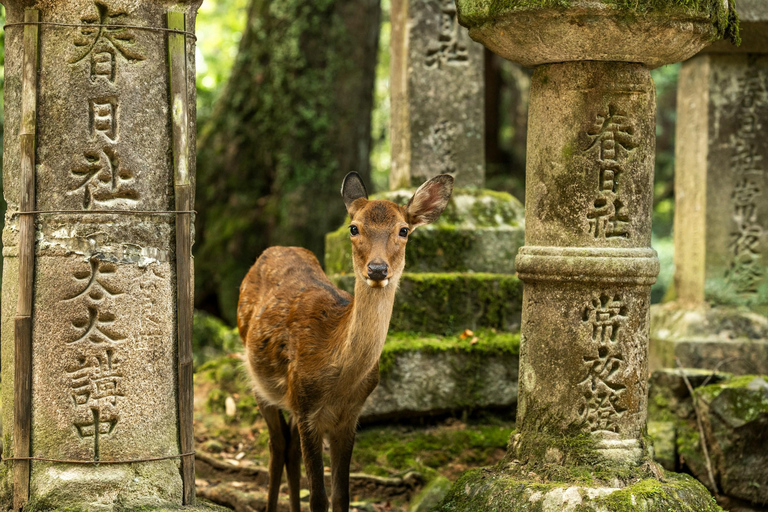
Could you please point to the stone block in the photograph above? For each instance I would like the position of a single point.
(445, 303)
(664, 451)
(436, 79)
(718, 338)
(753, 22)
(735, 418)
(479, 231)
(422, 375)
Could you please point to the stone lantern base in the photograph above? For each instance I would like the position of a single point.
(501, 489)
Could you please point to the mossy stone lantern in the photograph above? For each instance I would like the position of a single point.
(587, 263)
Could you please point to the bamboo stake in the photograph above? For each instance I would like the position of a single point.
(177, 61)
(22, 402)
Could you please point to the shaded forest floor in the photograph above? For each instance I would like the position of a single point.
(390, 463)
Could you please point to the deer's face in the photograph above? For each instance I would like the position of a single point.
(378, 231)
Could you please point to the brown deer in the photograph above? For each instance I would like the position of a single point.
(313, 350)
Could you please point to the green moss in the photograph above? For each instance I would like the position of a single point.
(744, 404)
(397, 449)
(488, 343)
(725, 19)
(498, 491)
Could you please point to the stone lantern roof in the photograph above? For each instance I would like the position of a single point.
(653, 33)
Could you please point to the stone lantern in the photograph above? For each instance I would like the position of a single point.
(587, 263)
(96, 312)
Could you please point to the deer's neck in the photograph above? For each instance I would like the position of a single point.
(371, 310)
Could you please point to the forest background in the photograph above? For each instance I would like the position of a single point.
(279, 127)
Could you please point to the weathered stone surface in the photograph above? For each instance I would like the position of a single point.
(104, 313)
(753, 22)
(721, 244)
(720, 338)
(652, 33)
(489, 489)
(432, 494)
(436, 84)
(735, 418)
(479, 231)
(445, 303)
(588, 201)
(421, 376)
(662, 433)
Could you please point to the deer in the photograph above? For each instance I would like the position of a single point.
(312, 350)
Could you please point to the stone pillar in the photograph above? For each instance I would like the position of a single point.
(721, 209)
(113, 137)
(436, 83)
(587, 264)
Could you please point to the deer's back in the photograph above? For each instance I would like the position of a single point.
(288, 311)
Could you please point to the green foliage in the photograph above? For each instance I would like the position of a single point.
(227, 377)
(212, 338)
(220, 25)
(381, 147)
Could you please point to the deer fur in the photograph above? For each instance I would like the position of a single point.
(313, 350)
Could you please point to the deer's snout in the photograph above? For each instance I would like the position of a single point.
(377, 270)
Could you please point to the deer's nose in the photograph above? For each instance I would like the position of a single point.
(377, 270)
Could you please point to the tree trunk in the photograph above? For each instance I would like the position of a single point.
(294, 118)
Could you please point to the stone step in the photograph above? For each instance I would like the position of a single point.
(445, 303)
(425, 375)
(479, 231)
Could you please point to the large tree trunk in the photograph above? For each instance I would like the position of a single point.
(294, 118)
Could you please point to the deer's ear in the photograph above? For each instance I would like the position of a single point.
(429, 201)
(352, 189)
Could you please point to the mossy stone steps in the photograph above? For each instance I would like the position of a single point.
(422, 375)
(445, 303)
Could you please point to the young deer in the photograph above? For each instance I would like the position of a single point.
(313, 350)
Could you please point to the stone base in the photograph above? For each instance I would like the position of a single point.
(718, 338)
(421, 376)
(446, 303)
(494, 489)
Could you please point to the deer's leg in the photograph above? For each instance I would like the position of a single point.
(293, 463)
(342, 441)
(312, 450)
(277, 446)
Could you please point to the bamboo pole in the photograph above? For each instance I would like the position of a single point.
(177, 61)
(22, 403)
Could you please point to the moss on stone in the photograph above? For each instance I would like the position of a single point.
(743, 404)
(498, 491)
(483, 342)
(201, 506)
(723, 16)
(448, 303)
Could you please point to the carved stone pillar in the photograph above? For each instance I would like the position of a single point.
(99, 157)
(721, 209)
(587, 263)
(436, 82)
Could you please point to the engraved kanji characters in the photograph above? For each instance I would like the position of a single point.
(104, 118)
(103, 180)
(447, 49)
(746, 271)
(613, 135)
(600, 406)
(104, 40)
(95, 378)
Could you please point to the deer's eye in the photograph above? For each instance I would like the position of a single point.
(354, 231)
(404, 232)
